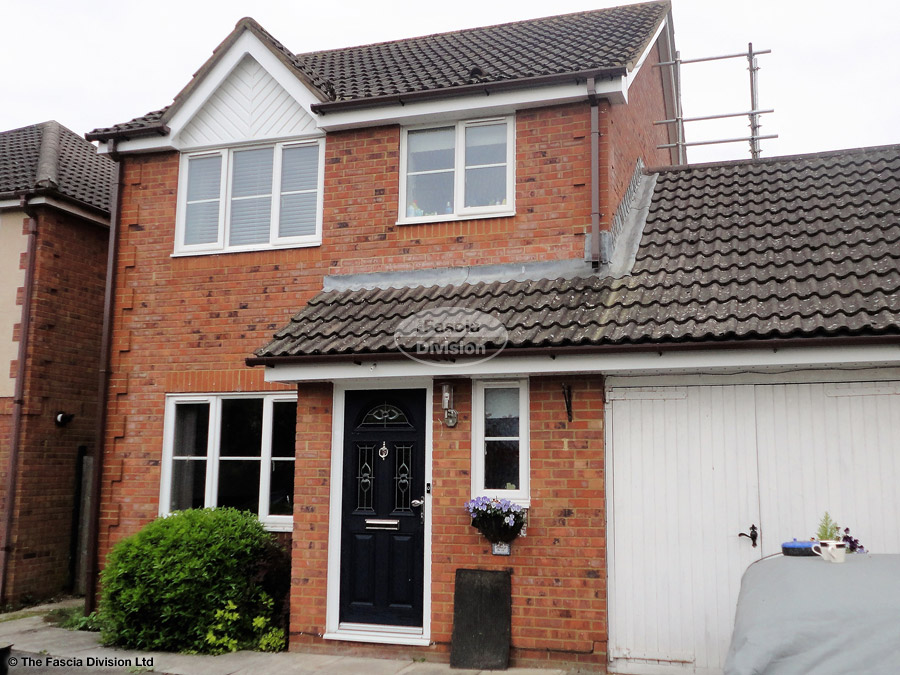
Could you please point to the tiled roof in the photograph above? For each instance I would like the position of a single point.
(49, 157)
(781, 248)
(570, 43)
(594, 41)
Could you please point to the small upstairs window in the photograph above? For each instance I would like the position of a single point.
(464, 170)
(250, 198)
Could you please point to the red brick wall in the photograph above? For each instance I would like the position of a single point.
(558, 569)
(61, 375)
(186, 324)
(631, 131)
(552, 202)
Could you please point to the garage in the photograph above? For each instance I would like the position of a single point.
(692, 467)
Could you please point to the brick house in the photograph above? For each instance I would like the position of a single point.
(492, 177)
(54, 227)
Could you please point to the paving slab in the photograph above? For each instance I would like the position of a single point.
(40, 648)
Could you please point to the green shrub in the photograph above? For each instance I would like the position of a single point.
(203, 580)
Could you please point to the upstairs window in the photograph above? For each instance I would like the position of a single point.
(458, 171)
(250, 198)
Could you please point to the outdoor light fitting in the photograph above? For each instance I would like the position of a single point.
(451, 417)
(62, 418)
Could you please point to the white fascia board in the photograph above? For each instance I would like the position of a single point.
(632, 75)
(247, 43)
(10, 204)
(623, 363)
(481, 105)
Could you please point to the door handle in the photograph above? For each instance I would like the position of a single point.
(417, 502)
(754, 533)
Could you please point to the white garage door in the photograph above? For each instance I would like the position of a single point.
(692, 467)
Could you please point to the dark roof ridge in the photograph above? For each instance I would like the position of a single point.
(47, 170)
(459, 31)
(862, 150)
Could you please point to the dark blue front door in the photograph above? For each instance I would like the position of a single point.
(382, 539)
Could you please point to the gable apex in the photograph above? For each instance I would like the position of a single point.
(249, 104)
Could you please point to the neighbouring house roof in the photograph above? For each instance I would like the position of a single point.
(781, 248)
(603, 41)
(48, 158)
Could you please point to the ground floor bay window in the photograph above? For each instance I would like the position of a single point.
(232, 450)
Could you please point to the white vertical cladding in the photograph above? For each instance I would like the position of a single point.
(693, 466)
(684, 484)
(248, 105)
(833, 447)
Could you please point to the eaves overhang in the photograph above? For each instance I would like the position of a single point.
(581, 350)
(49, 196)
(485, 88)
(747, 357)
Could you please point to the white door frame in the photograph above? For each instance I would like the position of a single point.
(399, 635)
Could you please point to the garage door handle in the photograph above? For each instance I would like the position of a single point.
(754, 533)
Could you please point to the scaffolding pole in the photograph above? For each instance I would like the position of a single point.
(753, 114)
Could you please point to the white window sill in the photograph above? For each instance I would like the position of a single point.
(222, 251)
(451, 217)
(278, 527)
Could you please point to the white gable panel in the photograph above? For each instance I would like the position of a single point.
(248, 105)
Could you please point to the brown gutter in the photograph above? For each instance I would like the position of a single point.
(595, 173)
(486, 88)
(12, 472)
(93, 539)
(576, 350)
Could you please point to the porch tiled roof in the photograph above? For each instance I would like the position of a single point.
(599, 40)
(50, 157)
(781, 248)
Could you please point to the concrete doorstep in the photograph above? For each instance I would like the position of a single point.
(39, 648)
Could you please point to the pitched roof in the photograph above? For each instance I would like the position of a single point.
(781, 248)
(50, 158)
(601, 41)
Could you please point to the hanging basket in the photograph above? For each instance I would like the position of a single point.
(499, 520)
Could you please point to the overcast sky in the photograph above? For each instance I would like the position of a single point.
(832, 76)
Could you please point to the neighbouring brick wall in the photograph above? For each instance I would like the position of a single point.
(61, 375)
(6, 410)
(558, 569)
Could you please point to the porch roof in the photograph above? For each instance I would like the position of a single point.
(792, 248)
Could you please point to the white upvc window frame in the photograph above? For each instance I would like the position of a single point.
(460, 211)
(521, 496)
(225, 181)
(274, 523)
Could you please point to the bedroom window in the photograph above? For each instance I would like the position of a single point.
(231, 450)
(500, 448)
(250, 198)
(458, 171)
